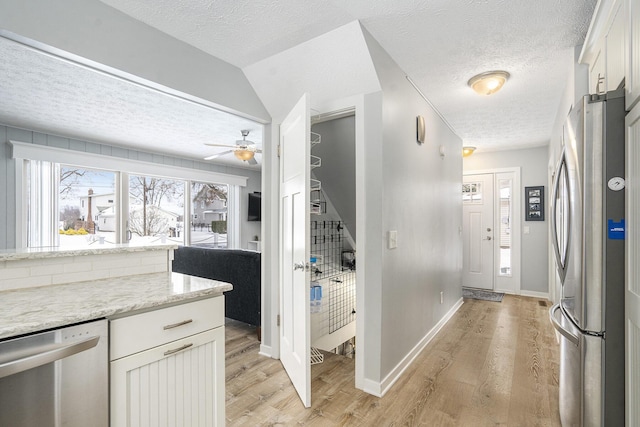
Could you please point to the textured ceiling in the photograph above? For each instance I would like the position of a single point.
(440, 44)
(35, 94)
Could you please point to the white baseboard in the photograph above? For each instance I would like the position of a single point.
(534, 294)
(379, 389)
(265, 350)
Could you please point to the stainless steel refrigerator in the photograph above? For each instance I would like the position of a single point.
(588, 230)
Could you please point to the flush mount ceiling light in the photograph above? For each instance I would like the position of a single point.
(467, 151)
(489, 82)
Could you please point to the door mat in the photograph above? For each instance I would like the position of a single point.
(482, 294)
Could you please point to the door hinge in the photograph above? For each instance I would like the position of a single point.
(278, 320)
(278, 150)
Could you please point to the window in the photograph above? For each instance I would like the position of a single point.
(86, 208)
(209, 214)
(506, 215)
(156, 210)
(131, 200)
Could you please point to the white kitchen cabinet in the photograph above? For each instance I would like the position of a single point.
(597, 69)
(632, 82)
(615, 49)
(161, 380)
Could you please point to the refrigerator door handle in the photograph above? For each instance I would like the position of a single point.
(560, 263)
(573, 339)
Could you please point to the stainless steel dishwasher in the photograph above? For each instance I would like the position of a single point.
(56, 378)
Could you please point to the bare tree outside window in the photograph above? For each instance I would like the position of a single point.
(209, 214)
(156, 204)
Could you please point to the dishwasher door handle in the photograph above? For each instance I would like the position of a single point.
(51, 355)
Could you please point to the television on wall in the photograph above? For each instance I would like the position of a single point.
(254, 206)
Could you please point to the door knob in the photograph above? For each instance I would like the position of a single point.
(300, 266)
(487, 238)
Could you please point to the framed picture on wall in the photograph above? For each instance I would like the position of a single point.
(534, 203)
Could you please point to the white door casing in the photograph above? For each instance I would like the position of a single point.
(477, 231)
(632, 291)
(294, 258)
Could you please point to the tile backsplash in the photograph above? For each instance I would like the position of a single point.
(27, 273)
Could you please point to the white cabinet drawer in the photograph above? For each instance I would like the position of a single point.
(132, 334)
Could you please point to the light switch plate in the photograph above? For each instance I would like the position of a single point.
(393, 239)
(526, 229)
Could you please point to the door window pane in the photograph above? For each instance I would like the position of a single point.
(156, 210)
(472, 193)
(505, 207)
(209, 214)
(87, 212)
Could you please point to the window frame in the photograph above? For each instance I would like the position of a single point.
(122, 167)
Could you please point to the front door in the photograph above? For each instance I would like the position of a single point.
(477, 231)
(295, 343)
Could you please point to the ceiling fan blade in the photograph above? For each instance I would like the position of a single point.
(220, 145)
(215, 156)
(258, 151)
(252, 161)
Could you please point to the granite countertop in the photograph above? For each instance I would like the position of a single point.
(34, 309)
(97, 249)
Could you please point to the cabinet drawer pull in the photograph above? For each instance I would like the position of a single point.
(175, 350)
(175, 325)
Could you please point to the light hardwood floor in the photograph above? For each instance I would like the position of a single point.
(493, 364)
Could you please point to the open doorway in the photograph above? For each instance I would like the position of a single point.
(333, 233)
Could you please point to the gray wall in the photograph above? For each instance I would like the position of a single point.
(420, 199)
(338, 170)
(8, 184)
(535, 245)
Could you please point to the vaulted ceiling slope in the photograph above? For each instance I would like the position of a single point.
(440, 44)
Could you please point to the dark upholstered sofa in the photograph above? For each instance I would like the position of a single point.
(239, 267)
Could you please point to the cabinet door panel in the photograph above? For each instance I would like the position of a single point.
(632, 83)
(166, 386)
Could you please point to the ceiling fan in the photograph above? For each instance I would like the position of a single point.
(243, 150)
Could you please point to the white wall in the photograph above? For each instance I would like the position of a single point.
(535, 245)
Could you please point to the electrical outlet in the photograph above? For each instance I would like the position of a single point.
(441, 297)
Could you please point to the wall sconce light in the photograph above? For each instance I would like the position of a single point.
(420, 129)
(467, 151)
(489, 82)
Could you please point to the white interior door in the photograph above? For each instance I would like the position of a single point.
(294, 245)
(477, 231)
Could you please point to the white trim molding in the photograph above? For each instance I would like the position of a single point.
(379, 389)
(25, 150)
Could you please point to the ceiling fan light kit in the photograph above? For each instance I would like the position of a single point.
(488, 83)
(243, 150)
(244, 155)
